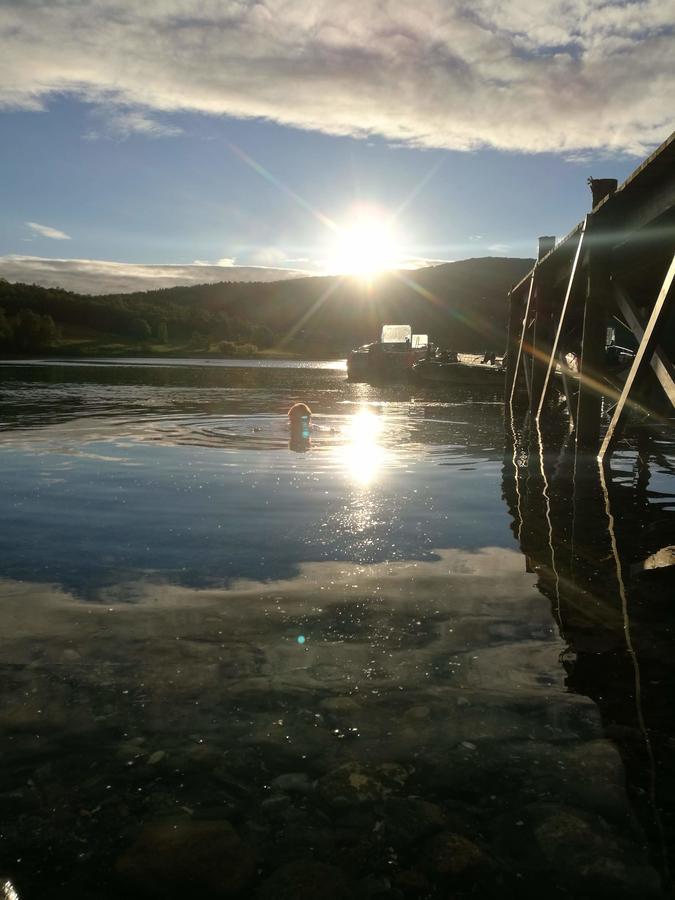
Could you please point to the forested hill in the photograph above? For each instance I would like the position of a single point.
(461, 305)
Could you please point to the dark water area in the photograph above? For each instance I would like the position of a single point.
(413, 654)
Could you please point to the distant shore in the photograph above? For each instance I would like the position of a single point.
(69, 350)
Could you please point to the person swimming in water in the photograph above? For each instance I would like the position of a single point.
(300, 421)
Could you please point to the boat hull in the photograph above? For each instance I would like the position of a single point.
(435, 372)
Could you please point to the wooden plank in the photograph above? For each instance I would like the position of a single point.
(642, 357)
(561, 320)
(522, 338)
(663, 368)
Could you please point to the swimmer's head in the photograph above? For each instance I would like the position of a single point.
(298, 412)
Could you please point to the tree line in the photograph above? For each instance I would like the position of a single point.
(461, 305)
(31, 317)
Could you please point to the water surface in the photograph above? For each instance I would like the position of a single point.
(397, 659)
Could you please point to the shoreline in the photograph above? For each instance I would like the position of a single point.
(263, 355)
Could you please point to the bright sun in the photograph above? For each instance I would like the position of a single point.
(366, 246)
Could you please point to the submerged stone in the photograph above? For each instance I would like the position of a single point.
(308, 880)
(353, 783)
(293, 783)
(450, 855)
(186, 858)
(408, 820)
(339, 705)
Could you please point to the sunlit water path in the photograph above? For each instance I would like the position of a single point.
(366, 664)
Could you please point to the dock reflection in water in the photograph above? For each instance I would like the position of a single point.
(337, 674)
(600, 540)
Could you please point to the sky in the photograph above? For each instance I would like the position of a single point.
(184, 141)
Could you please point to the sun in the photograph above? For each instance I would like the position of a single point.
(366, 245)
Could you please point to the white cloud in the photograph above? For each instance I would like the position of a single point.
(122, 124)
(94, 276)
(48, 232)
(563, 76)
(420, 262)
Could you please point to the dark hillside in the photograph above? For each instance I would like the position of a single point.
(461, 304)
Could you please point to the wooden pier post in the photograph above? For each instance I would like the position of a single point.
(592, 363)
(557, 352)
(542, 331)
(518, 319)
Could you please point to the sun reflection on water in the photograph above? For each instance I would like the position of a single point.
(362, 455)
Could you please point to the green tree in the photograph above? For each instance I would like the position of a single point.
(33, 331)
(140, 329)
(6, 330)
(162, 332)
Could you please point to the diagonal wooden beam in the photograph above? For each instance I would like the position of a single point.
(642, 357)
(662, 366)
(522, 338)
(561, 321)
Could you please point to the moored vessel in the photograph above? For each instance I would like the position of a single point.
(389, 359)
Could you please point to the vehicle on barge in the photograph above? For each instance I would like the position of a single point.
(389, 359)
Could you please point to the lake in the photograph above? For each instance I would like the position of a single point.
(408, 654)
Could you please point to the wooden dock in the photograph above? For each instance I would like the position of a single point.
(614, 269)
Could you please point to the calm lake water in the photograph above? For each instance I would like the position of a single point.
(398, 658)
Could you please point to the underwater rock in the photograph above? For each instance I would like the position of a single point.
(408, 820)
(353, 783)
(272, 806)
(413, 883)
(339, 705)
(574, 842)
(566, 836)
(183, 858)
(293, 783)
(418, 713)
(451, 855)
(308, 880)
(597, 779)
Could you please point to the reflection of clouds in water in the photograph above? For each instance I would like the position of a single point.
(406, 613)
(449, 668)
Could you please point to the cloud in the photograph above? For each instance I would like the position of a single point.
(564, 76)
(48, 232)
(93, 276)
(122, 124)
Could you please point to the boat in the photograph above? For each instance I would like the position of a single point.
(468, 370)
(389, 359)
